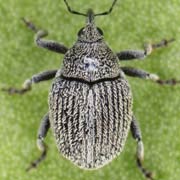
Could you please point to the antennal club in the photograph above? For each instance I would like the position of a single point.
(99, 14)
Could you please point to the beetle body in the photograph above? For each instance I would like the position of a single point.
(90, 102)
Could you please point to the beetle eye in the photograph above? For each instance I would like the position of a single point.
(100, 31)
(80, 31)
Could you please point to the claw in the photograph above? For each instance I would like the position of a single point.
(150, 47)
(168, 82)
(35, 163)
(30, 25)
(13, 91)
(164, 42)
(148, 174)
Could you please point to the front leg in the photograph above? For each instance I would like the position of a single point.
(141, 54)
(50, 45)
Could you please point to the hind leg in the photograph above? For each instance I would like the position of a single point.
(136, 133)
(43, 129)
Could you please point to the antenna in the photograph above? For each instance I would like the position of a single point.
(82, 14)
(72, 11)
(107, 12)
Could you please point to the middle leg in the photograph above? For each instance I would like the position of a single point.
(46, 75)
(133, 72)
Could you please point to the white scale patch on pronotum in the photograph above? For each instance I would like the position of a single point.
(91, 66)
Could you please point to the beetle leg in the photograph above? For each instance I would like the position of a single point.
(141, 54)
(136, 133)
(51, 45)
(43, 76)
(133, 72)
(43, 129)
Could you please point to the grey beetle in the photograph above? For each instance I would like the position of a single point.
(90, 101)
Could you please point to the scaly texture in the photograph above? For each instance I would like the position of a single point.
(90, 58)
(90, 122)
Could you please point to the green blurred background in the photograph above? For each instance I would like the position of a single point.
(156, 107)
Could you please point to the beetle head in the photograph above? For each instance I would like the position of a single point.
(90, 33)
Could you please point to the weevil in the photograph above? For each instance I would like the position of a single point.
(90, 101)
